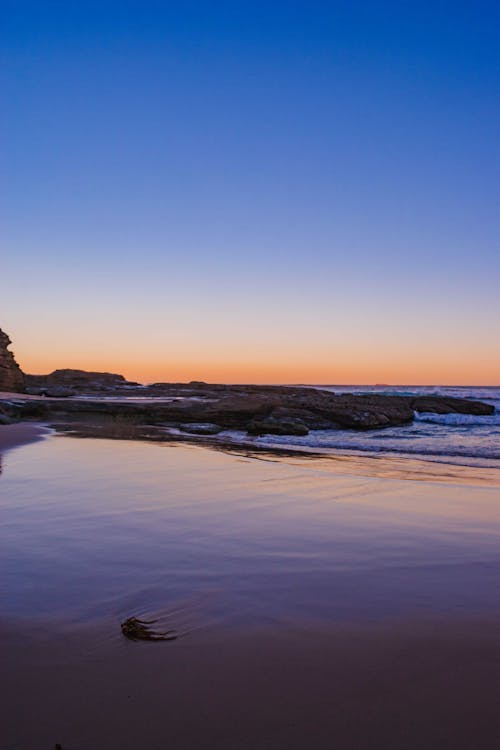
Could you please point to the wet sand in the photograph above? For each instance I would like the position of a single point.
(317, 668)
(22, 433)
(429, 686)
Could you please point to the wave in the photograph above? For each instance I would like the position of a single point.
(458, 420)
(420, 451)
(329, 441)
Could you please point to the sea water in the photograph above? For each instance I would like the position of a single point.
(453, 438)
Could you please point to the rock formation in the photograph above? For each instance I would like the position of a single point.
(11, 375)
(255, 409)
(71, 382)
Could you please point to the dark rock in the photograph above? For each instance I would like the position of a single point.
(11, 376)
(61, 383)
(449, 405)
(234, 412)
(56, 391)
(273, 426)
(257, 409)
(312, 420)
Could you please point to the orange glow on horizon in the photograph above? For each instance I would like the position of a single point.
(349, 371)
(262, 355)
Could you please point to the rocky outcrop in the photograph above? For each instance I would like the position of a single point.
(62, 383)
(255, 409)
(11, 376)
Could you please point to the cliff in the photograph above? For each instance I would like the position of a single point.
(11, 375)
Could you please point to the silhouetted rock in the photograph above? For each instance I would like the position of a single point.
(68, 382)
(11, 375)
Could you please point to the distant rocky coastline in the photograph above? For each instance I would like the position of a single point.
(82, 399)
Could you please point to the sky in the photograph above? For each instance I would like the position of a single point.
(269, 192)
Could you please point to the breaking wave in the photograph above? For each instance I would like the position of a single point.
(457, 420)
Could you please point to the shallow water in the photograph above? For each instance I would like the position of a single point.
(97, 528)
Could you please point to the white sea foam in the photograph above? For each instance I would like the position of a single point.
(456, 420)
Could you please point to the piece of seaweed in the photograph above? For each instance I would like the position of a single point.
(139, 630)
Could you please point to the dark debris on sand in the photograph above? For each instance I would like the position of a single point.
(137, 629)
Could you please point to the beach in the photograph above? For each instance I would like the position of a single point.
(316, 604)
(434, 685)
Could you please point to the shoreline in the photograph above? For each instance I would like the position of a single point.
(21, 433)
(274, 421)
(386, 466)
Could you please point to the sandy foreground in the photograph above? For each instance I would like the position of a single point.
(407, 686)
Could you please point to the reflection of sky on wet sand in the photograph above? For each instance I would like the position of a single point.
(99, 527)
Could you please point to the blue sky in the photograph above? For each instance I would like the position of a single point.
(282, 190)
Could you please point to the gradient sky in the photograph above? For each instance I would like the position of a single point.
(252, 191)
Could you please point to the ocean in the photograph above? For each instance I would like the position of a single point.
(451, 438)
